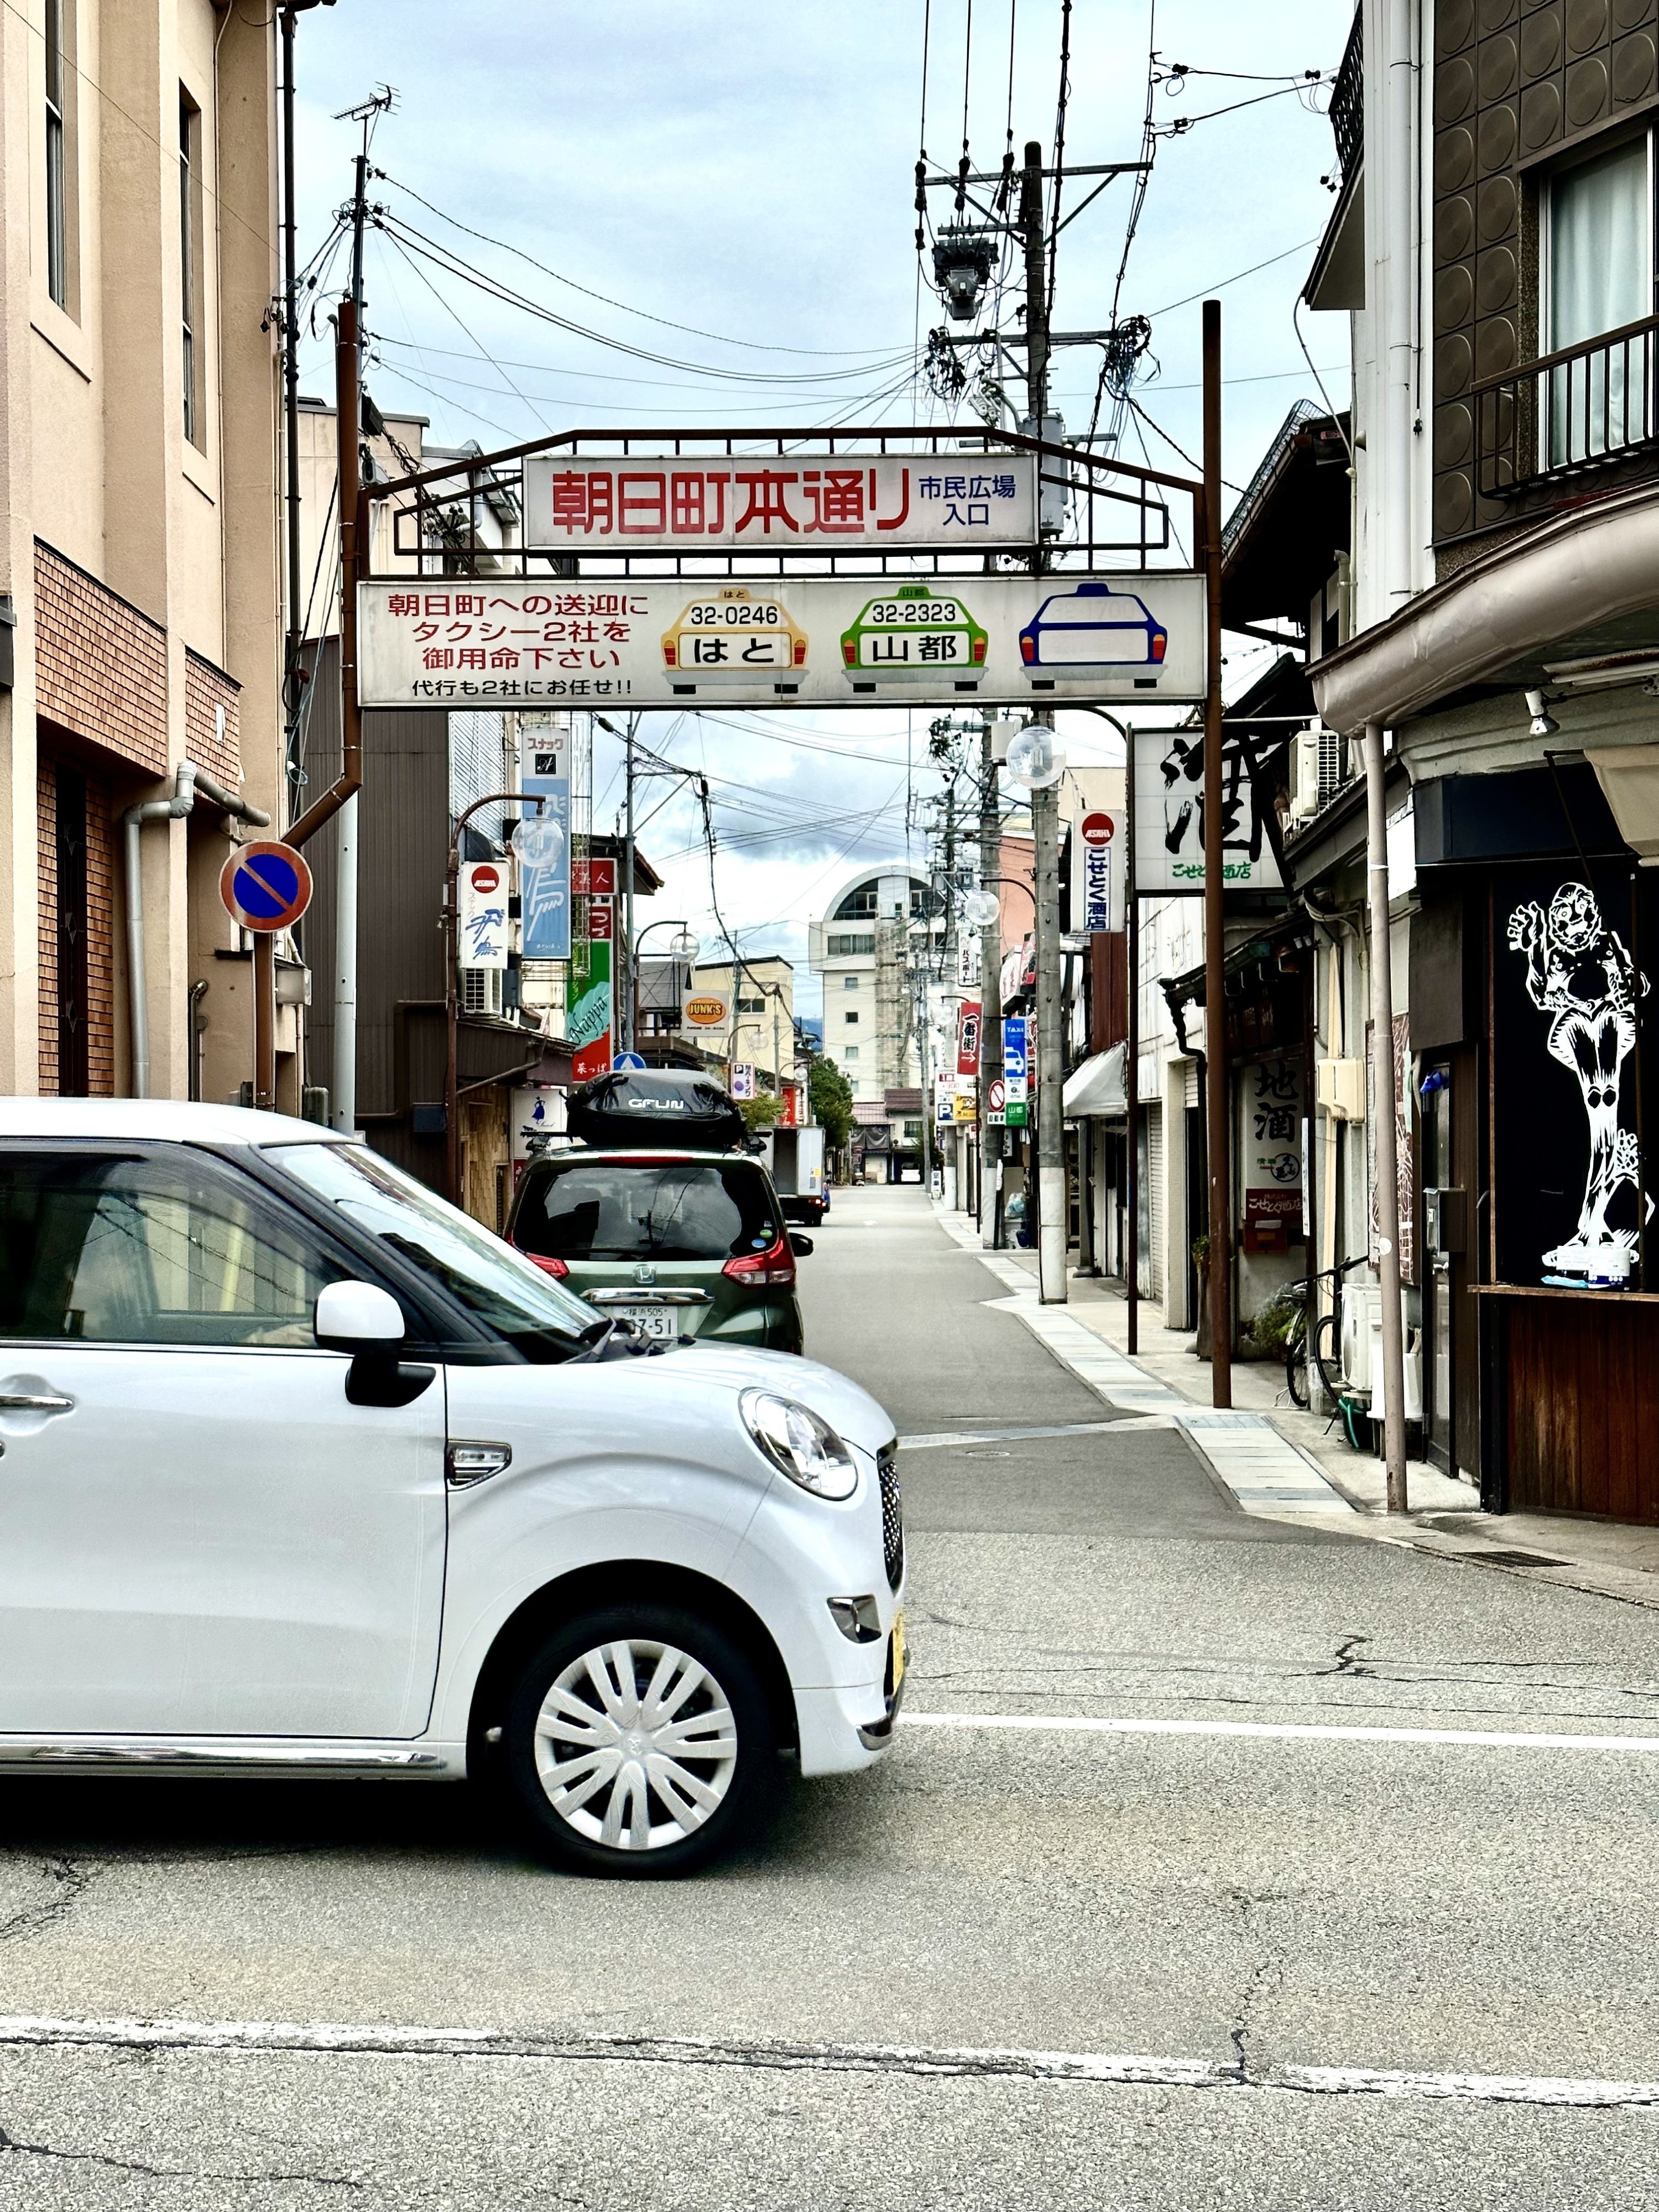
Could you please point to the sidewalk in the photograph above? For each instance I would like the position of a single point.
(1612, 1559)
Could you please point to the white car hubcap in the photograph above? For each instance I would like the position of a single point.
(635, 1745)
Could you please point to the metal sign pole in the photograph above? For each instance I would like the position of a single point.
(1215, 1009)
(1131, 1048)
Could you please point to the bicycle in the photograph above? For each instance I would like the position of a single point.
(1319, 1349)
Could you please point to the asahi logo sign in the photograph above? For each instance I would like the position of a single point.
(707, 1012)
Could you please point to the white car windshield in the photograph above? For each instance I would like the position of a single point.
(508, 1293)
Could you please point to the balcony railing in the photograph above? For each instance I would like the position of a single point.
(1581, 408)
(1348, 104)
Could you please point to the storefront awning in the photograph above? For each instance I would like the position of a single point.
(1629, 777)
(1097, 1089)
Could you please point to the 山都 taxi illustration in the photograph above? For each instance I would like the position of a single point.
(733, 631)
(916, 631)
(1092, 626)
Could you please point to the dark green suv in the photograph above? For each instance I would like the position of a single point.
(680, 1243)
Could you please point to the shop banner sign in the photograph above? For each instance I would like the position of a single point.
(589, 1001)
(1271, 1097)
(743, 1080)
(1137, 636)
(677, 503)
(1102, 901)
(483, 915)
(544, 850)
(1015, 1087)
(1169, 794)
(967, 1038)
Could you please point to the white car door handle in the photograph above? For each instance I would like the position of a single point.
(33, 1402)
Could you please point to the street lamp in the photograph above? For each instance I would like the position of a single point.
(683, 949)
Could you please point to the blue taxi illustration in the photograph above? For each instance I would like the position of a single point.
(1092, 626)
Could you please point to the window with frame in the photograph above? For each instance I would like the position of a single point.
(851, 1015)
(850, 982)
(190, 273)
(58, 44)
(1598, 236)
(103, 1249)
(850, 1052)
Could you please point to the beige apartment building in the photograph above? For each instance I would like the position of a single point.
(138, 479)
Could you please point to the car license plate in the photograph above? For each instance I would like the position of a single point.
(898, 1650)
(650, 1321)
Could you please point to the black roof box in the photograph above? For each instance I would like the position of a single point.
(656, 1106)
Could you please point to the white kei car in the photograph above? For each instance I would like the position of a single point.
(302, 1471)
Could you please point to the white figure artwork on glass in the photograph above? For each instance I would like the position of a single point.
(1579, 973)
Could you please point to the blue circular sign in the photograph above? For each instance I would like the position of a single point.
(626, 1063)
(265, 885)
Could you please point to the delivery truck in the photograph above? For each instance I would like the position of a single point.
(794, 1159)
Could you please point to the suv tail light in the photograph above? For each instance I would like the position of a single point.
(546, 1262)
(776, 1265)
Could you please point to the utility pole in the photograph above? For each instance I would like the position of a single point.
(344, 1115)
(1045, 804)
(1131, 1048)
(1217, 1131)
(629, 989)
(990, 995)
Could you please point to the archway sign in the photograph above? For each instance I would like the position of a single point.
(893, 567)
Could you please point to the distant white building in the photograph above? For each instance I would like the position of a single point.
(863, 950)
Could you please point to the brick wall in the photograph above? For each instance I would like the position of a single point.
(205, 688)
(101, 829)
(100, 668)
(46, 784)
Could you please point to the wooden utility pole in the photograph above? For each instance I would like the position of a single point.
(1385, 1091)
(1131, 1048)
(990, 995)
(1217, 1127)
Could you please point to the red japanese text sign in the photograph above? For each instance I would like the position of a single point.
(673, 501)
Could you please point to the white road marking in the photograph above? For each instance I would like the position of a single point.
(933, 1442)
(1100, 2068)
(1311, 1731)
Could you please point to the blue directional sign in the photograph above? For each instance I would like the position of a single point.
(626, 1062)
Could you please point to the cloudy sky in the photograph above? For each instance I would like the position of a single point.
(736, 185)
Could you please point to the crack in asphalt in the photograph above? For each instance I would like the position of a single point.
(18, 2147)
(72, 1877)
(1264, 1978)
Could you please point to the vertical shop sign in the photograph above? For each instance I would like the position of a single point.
(483, 915)
(967, 1038)
(542, 842)
(1272, 1102)
(589, 1001)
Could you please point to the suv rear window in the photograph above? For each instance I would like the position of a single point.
(611, 1209)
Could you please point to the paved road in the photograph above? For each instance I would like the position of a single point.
(1238, 1913)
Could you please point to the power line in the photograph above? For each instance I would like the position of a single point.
(691, 330)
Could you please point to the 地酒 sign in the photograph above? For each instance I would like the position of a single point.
(807, 640)
(677, 503)
(265, 885)
(483, 915)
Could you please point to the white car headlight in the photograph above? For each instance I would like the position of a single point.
(800, 1443)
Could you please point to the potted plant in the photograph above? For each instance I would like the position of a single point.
(1201, 1263)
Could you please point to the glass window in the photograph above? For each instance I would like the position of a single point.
(851, 1014)
(612, 1209)
(850, 982)
(165, 1250)
(190, 263)
(1600, 278)
(56, 227)
(511, 1296)
(851, 1052)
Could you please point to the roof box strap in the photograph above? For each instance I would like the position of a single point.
(656, 1106)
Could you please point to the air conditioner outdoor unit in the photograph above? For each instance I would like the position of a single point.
(481, 990)
(1318, 772)
(1341, 1088)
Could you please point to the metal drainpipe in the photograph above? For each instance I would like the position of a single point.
(187, 781)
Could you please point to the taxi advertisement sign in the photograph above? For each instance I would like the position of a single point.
(809, 641)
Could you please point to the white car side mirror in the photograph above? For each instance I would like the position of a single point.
(358, 1317)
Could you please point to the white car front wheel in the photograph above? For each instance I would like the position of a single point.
(635, 1739)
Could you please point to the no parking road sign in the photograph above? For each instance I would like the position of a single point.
(265, 885)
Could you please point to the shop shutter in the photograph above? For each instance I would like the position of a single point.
(1154, 1271)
